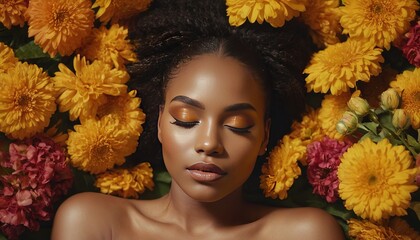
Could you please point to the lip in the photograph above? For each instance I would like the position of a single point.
(205, 172)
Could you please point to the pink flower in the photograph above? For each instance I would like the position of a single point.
(323, 158)
(411, 46)
(40, 177)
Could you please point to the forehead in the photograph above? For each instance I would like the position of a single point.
(219, 79)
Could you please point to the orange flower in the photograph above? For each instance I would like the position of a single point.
(12, 12)
(59, 25)
(115, 10)
(110, 46)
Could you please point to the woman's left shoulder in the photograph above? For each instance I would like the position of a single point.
(304, 223)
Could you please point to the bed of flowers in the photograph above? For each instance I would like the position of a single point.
(68, 121)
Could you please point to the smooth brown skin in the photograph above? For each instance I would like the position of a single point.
(193, 209)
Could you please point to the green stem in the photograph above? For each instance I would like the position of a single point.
(374, 118)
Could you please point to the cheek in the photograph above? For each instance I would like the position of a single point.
(176, 146)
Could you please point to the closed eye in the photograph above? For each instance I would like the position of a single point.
(239, 130)
(185, 124)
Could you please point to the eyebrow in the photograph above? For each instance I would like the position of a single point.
(188, 101)
(195, 103)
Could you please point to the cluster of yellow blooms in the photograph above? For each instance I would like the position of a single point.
(95, 92)
(376, 179)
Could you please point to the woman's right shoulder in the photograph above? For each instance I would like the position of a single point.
(88, 216)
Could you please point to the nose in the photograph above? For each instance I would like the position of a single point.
(208, 140)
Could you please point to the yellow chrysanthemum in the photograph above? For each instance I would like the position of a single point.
(308, 130)
(275, 12)
(84, 91)
(12, 12)
(115, 10)
(27, 100)
(110, 46)
(126, 183)
(332, 109)
(57, 136)
(59, 25)
(408, 85)
(377, 21)
(7, 58)
(97, 145)
(281, 170)
(366, 230)
(376, 179)
(323, 17)
(338, 67)
(126, 109)
(401, 227)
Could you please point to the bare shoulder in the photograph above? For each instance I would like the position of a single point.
(302, 223)
(87, 216)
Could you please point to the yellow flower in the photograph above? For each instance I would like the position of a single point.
(12, 12)
(323, 17)
(339, 66)
(126, 183)
(7, 58)
(27, 101)
(366, 230)
(308, 130)
(59, 25)
(97, 145)
(275, 12)
(332, 110)
(119, 9)
(408, 85)
(376, 179)
(126, 109)
(84, 91)
(281, 170)
(110, 46)
(401, 227)
(58, 137)
(377, 21)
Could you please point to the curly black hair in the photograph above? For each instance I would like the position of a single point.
(173, 31)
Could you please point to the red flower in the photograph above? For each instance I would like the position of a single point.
(40, 177)
(411, 45)
(323, 158)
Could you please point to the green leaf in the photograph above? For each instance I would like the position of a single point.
(2, 237)
(30, 51)
(371, 126)
(162, 176)
(412, 142)
(162, 181)
(337, 209)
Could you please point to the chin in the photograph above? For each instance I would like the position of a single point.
(206, 193)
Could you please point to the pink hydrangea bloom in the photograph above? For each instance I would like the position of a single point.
(323, 158)
(40, 177)
(411, 45)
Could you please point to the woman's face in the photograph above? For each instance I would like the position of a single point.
(212, 126)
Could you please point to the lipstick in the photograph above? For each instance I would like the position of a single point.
(205, 172)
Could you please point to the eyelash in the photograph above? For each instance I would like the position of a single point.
(185, 124)
(189, 125)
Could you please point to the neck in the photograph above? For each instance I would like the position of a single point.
(196, 216)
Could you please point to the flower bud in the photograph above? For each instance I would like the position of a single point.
(400, 119)
(359, 106)
(348, 123)
(390, 99)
